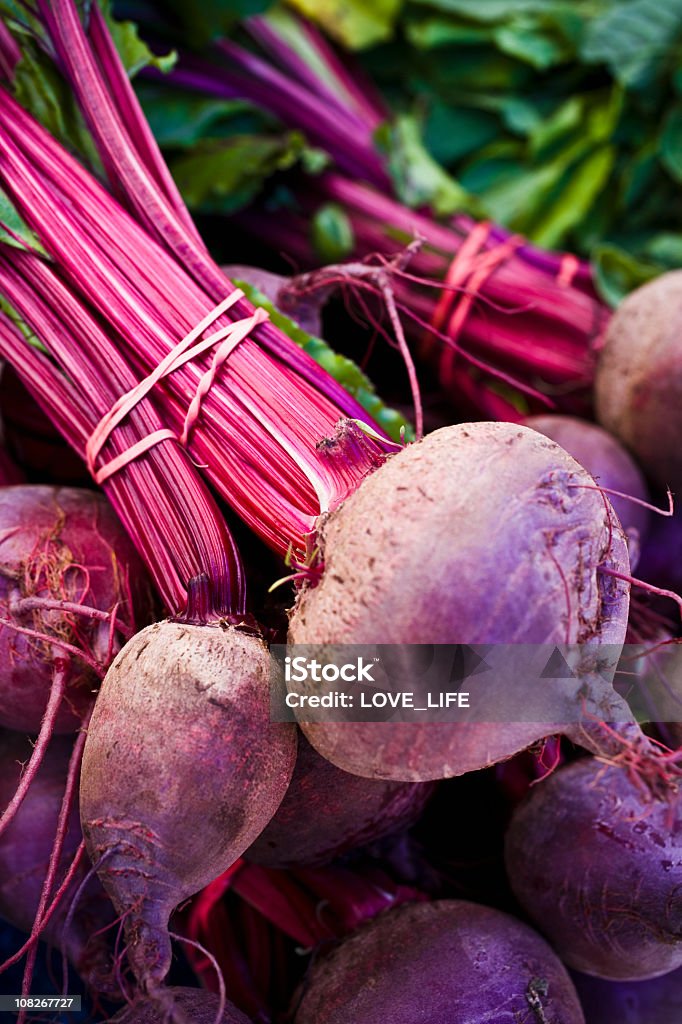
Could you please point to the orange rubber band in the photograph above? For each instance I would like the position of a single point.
(187, 348)
(462, 264)
(470, 268)
(568, 268)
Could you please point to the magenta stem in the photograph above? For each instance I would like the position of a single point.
(30, 604)
(56, 642)
(350, 92)
(129, 109)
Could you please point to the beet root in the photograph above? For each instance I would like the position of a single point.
(658, 1001)
(596, 862)
(607, 461)
(182, 769)
(327, 812)
(483, 533)
(193, 1005)
(60, 544)
(638, 383)
(448, 962)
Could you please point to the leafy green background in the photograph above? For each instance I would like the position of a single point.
(561, 119)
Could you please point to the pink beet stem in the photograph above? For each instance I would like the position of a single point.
(29, 604)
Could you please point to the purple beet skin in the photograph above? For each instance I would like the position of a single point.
(448, 962)
(179, 1006)
(481, 533)
(658, 1001)
(596, 861)
(607, 461)
(62, 544)
(327, 811)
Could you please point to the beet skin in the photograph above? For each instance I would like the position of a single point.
(327, 812)
(607, 461)
(596, 862)
(482, 533)
(638, 383)
(65, 544)
(448, 962)
(177, 1005)
(182, 769)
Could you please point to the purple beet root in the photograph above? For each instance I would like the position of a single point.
(607, 461)
(482, 533)
(661, 557)
(448, 962)
(327, 812)
(638, 383)
(182, 770)
(60, 544)
(25, 849)
(658, 1001)
(178, 1006)
(596, 862)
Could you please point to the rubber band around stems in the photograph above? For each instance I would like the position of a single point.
(458, 270)
(187, 348)
(470, 268)
(568, 268)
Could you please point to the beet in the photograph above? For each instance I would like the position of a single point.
(64, 544)
(448, 962)
(483, 533)
(607, 461)
(660, 560)
(596, 861)
(658, 1001)
(638, 383)
(327, 812)
(182, 769)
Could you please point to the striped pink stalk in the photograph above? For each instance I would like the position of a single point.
(259, 429)
(160, 499)
(531, 321)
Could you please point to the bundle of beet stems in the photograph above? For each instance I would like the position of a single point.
(159, 372)
(507, 325)
(77, 304)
